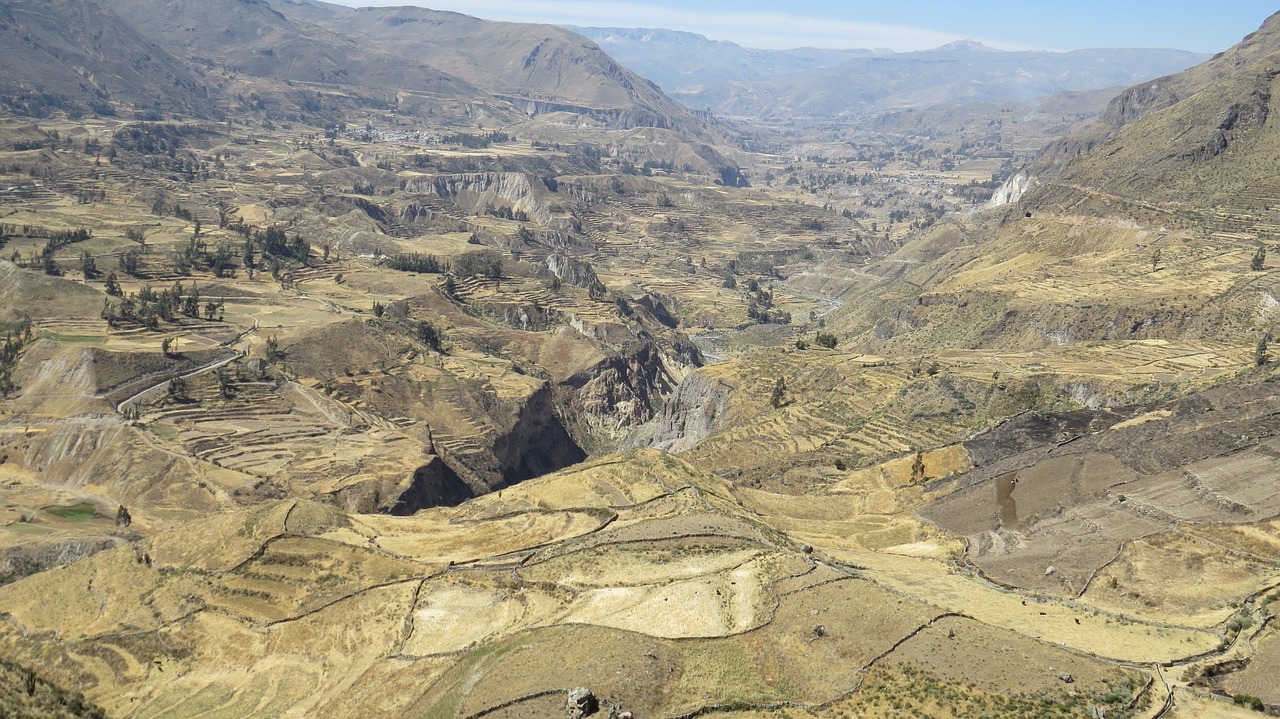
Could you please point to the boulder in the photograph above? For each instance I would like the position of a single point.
(582, 703)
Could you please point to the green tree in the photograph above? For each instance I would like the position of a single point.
(1259, 259)
(1260, 356)
(826, 339)
(428, 336)
(130, 262)
(178, 389)
(1250, 701)
(273, 349)
(220, 260)
(225, 388)
(779, 392)
(250, 261)
(88, 267)
(191, 304)
(486, 263)
(113, 286)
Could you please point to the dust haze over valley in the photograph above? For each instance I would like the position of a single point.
(395, 362)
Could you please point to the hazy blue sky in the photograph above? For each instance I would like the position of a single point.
(902, 24)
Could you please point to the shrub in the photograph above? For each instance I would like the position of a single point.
(1250, 701)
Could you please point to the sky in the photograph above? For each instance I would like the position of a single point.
(901, 25)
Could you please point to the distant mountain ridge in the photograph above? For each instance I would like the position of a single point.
(681, 62)
(729, 79)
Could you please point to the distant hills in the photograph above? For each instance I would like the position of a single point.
(731, 80)
(685, 62)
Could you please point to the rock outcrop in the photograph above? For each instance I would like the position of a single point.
(434, 484)
(476, 191)
(37, 556)
(620, 393)
(693, 413)
(578, 273)
(1012, 190)
(581, 703)
(537, 442)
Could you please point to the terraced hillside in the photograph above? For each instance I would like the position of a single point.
(441, 406)
(838, 409)
(596, 560)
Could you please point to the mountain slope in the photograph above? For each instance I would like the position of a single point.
(1201, 140)
(1173, 126)
(540, 68)
(1151, 231)
(79, 50)
(250, 36)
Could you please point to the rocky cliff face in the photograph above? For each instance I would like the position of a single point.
(31, 558)
(1012, 190)
(620, 393)
(574, 271)
(434, 484)
(1241, 75)
(1048, 164)
(473, 191)
(537, 443)
(693, 413)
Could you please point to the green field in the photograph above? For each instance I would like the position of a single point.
(78, 512)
